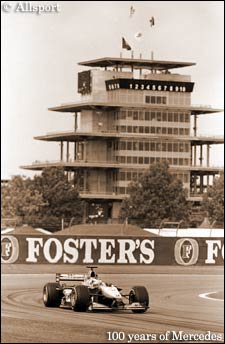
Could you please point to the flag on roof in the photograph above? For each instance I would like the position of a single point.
(125, 45)
(152, 21)
(132, 11)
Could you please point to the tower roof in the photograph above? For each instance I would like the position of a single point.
(135, 63)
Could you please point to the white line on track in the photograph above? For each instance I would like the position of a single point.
(207, 296)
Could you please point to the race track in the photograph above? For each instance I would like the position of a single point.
(175, 306)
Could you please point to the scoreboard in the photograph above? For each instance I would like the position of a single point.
(149, 85)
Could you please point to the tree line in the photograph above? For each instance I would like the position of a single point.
(157, 195)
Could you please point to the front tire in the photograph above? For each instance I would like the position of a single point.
(80, 298)
(139, 294)
(51, 296)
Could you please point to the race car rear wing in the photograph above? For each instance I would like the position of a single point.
(69, 277)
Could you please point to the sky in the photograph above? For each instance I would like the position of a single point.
(40, 53)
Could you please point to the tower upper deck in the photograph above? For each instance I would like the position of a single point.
(122, 62)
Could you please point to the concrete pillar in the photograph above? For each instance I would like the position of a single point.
(85, 180)
(201, 155)
(207, 158)
(75, 151)
(201, 184)
(195, 184)
(195, 155)
(67, 151)
(75, 121)
(195, 125)
(61, 150)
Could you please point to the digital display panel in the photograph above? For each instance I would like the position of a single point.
(84, 82)
(149, 85)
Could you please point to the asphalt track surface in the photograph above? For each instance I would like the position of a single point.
(175, 306)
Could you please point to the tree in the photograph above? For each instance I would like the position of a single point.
(43, 200)
(60, 197)
(213, 202)
(156, 196)
(19, 199)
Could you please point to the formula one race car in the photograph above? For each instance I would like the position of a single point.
(93, 294)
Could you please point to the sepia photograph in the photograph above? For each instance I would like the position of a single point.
(112, 172)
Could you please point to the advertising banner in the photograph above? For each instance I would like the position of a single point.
(24, 249)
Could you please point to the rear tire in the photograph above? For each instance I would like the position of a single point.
(51, 296)
(139, 294)
(80, 298)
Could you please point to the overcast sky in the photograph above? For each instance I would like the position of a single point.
(40, 55)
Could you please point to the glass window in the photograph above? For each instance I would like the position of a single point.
(181, 131)
(129, 160)
(141, 145)
(170, 131)
(169, 147)
(129, 145)
(152, 160)
(147, 115)
(164, 130)
(134, 160)
(123, 128)
(152, 130)
(152, 145)
(122, 114)
(153, 100)
(164, 147)
(128, 175)
(129, 129)
(164, 100)
(181, 117)
(158, 99)
(130, 114)
(146, 146)
(135, 146)
(175, 161)
(135, 115)
(122, 176)
(141, 115)
(158, 130)
(146, 160)
(122, 145)
(135, 129)
(175, 130)
(181, 147)
(140, 160)
(175, 147)
(141, 130)
(146, 130)
(164, 117)
(152, 115)
(158, 116)
(186, 147)
(187, 118)
(122, 159)
(175, 117)
(158, 146)
(147, 99)
(135, 175)
(170, 117)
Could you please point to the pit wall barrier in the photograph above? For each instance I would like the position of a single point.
(123, 250)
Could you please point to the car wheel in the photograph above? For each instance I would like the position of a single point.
(51, 296)
(139, 294)
(80, 298)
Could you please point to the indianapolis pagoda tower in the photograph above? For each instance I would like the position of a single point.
(132, 113)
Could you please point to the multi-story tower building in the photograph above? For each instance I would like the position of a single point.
(132, 113)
